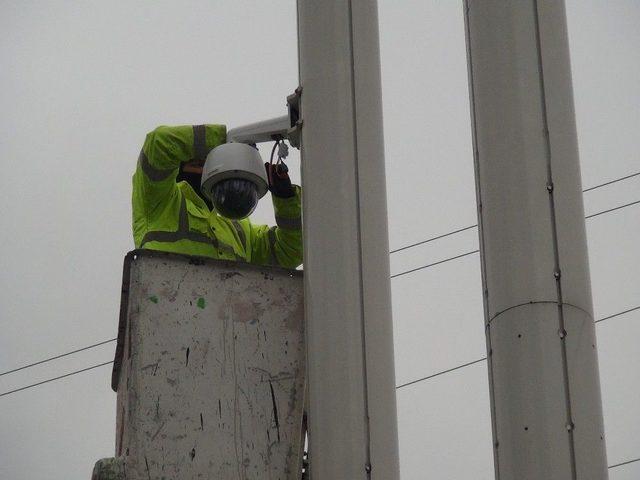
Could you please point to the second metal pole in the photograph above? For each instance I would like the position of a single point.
(543, 366)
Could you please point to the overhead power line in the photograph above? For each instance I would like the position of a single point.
(613, 209)
(617, 314)
(433, 238)
(476, 251)
(442, 372)
(434, 263)
(611, 182)
(468, 364)
(460, 230)
(624, 463)
(398, 387)
(55, 378)
(453, 232)
(58, 356)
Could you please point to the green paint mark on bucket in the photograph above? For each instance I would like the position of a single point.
(201, 303)
(153, 298)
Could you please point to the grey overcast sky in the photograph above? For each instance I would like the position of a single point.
(82, 82)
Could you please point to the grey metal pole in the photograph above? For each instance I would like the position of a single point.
(543, 367)
(352, 415)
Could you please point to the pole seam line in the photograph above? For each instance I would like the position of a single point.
(481, 244)
(555, 242)
(363, 333)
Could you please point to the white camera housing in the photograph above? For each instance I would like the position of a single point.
(234, 160)
(239, 159)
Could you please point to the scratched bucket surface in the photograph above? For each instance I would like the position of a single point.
(209, 369)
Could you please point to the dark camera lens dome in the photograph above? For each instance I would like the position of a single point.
(234, 198)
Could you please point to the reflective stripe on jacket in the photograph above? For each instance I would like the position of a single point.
(171, 217)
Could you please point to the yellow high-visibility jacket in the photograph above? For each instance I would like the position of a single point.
(171, 217)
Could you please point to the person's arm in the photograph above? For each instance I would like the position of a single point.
(280, 245)
(164, 149)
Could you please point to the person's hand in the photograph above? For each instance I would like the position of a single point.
(279, 181)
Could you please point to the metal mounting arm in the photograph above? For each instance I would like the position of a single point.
(286, 126)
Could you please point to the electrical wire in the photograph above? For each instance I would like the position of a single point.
(273, 151)
(433, 238)
(613, 209)
(475, 225)
(617, 314)
(611, 182)
(434, 263)
(441, 373)
(400, 386)
(392, 276)
(624, 463)
(468, 364)
(476, 251)
(57, 356)
(55, 378)
(453, 232)
(429, 377)
(458, 367)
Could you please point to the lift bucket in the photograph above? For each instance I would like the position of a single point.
(209, 371)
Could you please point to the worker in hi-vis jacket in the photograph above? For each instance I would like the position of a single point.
(170, 212)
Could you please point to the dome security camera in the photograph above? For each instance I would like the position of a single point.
(233, 176)
(234, 179)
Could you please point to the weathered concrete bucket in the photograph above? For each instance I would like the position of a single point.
(209, 371)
